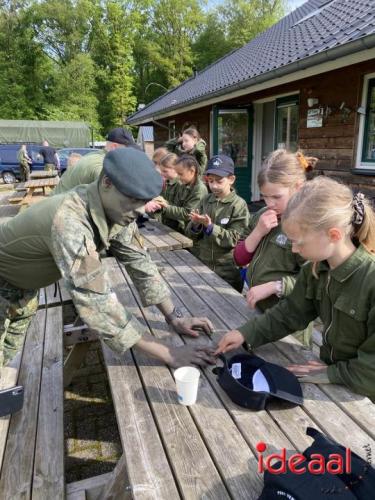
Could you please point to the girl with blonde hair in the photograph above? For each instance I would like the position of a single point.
(272, 266)
(334, 230)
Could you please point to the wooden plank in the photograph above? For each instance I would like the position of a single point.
(114, 489)
(194, 470)
(77, 495)
(79, 336)
(53, 295)
(48, 481)
(88, 485)
(17, 470)
(74, 360)
(65, 295)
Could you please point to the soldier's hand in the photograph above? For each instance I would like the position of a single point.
(267, 221)
(231, 340)
(189, 355)
(189, 326)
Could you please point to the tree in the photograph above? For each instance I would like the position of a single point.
(245, 19)
(211, 43)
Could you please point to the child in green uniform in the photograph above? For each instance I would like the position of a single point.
(272, 266)
(334, 230)
(164, 162)
(220, 221)
(187, 195)
(190, 143)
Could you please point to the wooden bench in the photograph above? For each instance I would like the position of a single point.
(32, 440)
(207, 450)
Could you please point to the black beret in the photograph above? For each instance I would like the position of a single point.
(133, 173)
(120, 136)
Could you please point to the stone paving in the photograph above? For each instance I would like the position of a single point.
(92, 442)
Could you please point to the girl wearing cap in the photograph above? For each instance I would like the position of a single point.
(186, 196)
(272, 266)
(335, 231)
(190, 143)
(220, 220)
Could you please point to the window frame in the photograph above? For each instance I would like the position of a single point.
(283, 102)
(363, 126)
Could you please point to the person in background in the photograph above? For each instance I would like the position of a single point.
(88, 168)
(49, 155)
(73, 158)
(186, 196)
(25, 161)
(190, 143)
(272, 265)
(220, 220)
(335, 231)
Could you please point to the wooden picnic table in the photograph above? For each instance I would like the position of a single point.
(170, 451)
(34, 184)
(42, 174)
(158, 237)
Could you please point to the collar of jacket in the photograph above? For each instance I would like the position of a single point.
(227, 199)
(171, 182)
(342, 272)
(97, 212)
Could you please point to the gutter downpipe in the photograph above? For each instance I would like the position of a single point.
(308, 62)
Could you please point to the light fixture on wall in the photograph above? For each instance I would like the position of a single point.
(345, 112)
(312, 101)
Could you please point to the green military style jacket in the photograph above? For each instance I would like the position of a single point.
(182, 200)
(199, 152)
(85, 171)
(62, 236)
(273, 260)
(168, 193)
(230, 218)
(344, 299)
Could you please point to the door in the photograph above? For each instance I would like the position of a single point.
(232, 133)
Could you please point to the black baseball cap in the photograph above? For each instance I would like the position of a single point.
(133, 173)
(121, 136)
(251, 382)
(220, 165)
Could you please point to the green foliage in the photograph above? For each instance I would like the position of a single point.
(93, 60)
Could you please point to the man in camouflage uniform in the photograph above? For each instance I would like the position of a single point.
(62, 237)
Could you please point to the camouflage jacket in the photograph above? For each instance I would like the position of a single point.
(62, 236)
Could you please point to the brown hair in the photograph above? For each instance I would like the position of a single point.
(158, 154)
(189, 162)
(193, 132)
(285, 168)
(324, 203)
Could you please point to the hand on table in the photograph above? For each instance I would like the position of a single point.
(313, 372)
(231, 340)
(189, 326)
(190, 355)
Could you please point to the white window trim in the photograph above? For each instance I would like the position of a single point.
(169, 128)
(361, 130)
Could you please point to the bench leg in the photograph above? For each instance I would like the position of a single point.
(74, 360)
(117, 486)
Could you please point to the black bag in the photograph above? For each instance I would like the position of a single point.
(251, 382)
(359, 484)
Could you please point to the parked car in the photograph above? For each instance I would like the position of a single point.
(9, 165)
(64, 154)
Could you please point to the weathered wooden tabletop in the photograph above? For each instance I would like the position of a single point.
(41, 174)
(209, 449)
(42, 183)
(158, 237)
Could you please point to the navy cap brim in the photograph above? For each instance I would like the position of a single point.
(219, 172)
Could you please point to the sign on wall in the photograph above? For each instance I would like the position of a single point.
(315, 118)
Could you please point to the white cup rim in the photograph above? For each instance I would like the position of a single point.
(193, 372)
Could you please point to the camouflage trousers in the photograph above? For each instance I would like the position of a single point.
(24, 171)
(17, 308)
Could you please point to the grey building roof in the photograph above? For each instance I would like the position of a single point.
(314, 28)
(146, 133)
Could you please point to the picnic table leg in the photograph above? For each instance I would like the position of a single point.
(117, 487)
(74, 360)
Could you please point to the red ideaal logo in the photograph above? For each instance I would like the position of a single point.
(299, 464)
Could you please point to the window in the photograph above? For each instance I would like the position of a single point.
(171, 129)
(368, 150)
(233, 135)
(286, 123)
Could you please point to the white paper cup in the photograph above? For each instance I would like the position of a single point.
(187, 379)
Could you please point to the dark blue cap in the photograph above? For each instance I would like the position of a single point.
(220, 165)
(133, 173)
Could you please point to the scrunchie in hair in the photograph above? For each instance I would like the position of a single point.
(358, 209)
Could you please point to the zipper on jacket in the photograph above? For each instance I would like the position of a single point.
(257, 259)
(330, 323)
